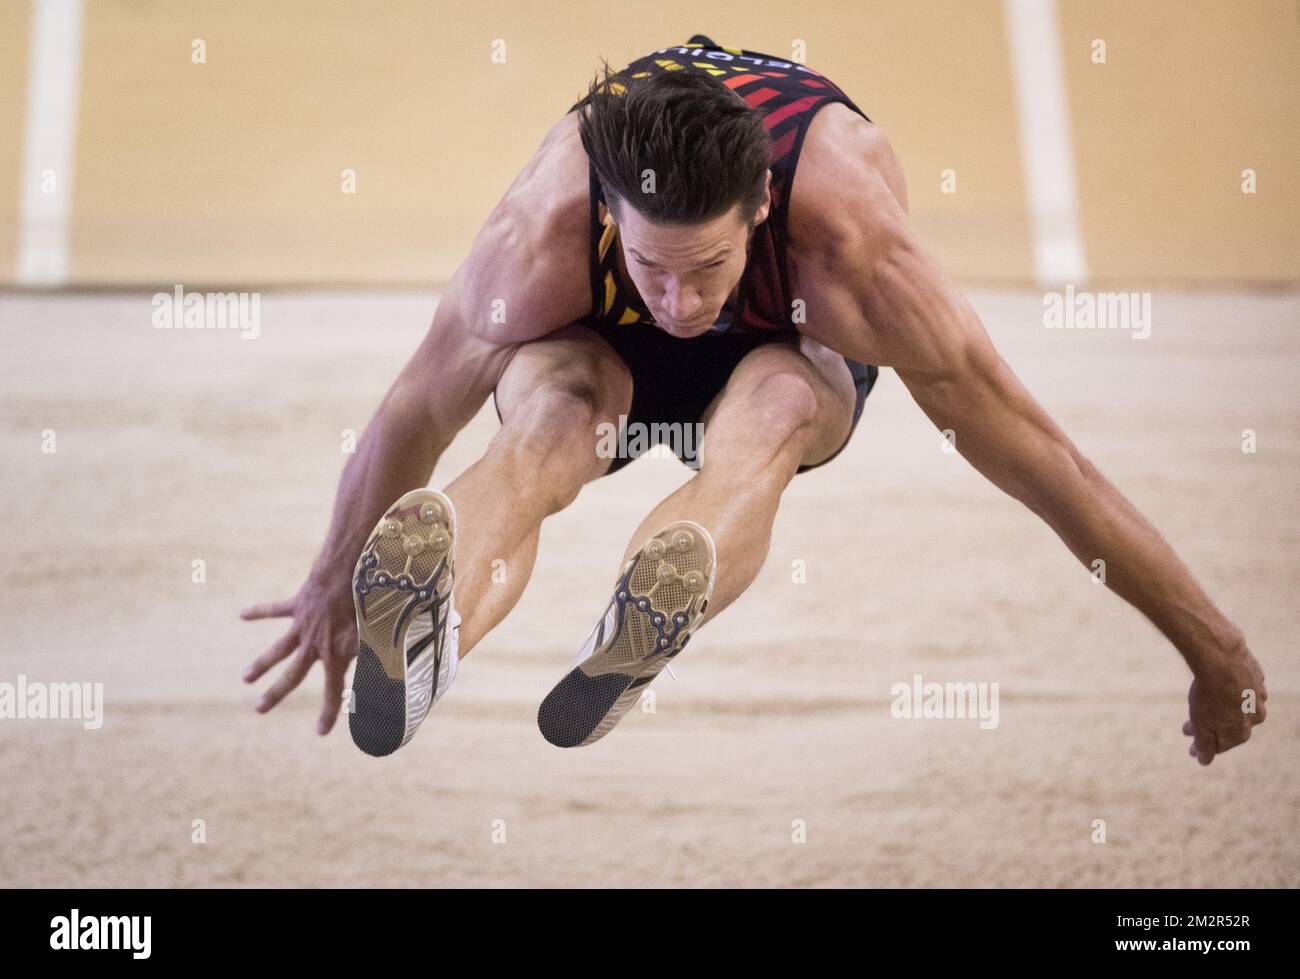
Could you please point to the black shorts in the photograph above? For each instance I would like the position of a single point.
(674, 380)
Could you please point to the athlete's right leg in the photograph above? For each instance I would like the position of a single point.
(553, 394)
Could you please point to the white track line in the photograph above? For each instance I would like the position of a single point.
(54, 77)
(1045, 148)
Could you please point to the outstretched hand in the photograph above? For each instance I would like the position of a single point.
(324, 628)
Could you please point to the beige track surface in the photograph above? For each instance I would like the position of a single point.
(178, 445)
(436, 107)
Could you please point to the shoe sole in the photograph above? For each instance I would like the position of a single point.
(655, 611)
(404, 568)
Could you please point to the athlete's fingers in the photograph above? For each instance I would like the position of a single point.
(1205, 746)
(268, 610)
(334, 676)
(1187, 728)
(281, 648)
(289, 679)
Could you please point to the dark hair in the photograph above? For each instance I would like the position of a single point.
(708, 149)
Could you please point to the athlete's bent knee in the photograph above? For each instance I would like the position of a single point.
(782, 403)
(750, 430)
(559, 407)
(552, 433)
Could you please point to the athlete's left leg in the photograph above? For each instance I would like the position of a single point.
(784, 406)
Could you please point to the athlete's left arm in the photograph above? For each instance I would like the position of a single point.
(904, 312)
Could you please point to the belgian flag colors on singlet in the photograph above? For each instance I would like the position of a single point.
(789, 95)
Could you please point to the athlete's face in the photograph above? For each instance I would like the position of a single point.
(686, 273)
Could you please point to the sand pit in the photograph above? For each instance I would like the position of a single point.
(177, 446)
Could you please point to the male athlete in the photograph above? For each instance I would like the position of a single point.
(656, 262)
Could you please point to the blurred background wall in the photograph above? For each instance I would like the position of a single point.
(229, 168)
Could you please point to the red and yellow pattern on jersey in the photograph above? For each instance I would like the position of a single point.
(789, 95)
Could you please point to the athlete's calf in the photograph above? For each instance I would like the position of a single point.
(535, 465)
(777, 412)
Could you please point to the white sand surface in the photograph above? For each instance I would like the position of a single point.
(174, 446)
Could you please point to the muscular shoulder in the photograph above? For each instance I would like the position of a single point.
(851, 257)
(847, 185)
(527, 272)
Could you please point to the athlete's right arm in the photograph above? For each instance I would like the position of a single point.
(440, 389)
(525, 277)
